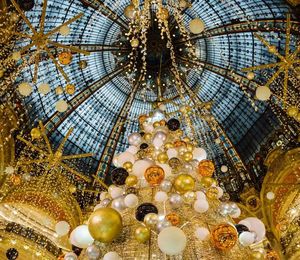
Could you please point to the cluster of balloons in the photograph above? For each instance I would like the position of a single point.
(180, 176)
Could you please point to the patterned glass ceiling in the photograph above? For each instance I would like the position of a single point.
(102, 91)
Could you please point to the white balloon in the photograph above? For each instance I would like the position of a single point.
(125, 157)
(201, 205)
(270, 195)
(25, 89)
(81, 237)
(171, 240)
(70, 256)
(236, 214)
(131, 201)
(258, 227)
(200, 195)
(246, 238)
(132, 149)
(148, 127)
(157, 142)
(111, 256)
(61, 106)
(224, 168)
(202, 233)
(220, 192)
(44, 88)
(197, 26)
(140, 166)
(199, 154)
(263, 93)
(167, 169)
(62, 228)
(172, 152)
(116, 192)
(161, 196)
(134, 139)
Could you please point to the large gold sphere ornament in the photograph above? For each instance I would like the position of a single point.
(206, 168)
(134, 43)
(128, 166)
(187, 156)
(154, 175)
(207, 181)
(292, 111)
(224, 236)
(70, 89)
(65, 58)
(142, 234)
(197, 26)
(184, 183)
(129, 11)
(105, 224)
(173, 218)
(162, 157)
(35, 133)
(131, 180)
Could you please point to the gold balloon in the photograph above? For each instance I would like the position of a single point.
(70, 89)
(212, 193)
(224, 236)
(105, 224)
(187, 156)
(174, 163)
(129, 11)
(127, 166)
(179, 132)
(184, 183)
(189, 147)
(142, 234)
(131, 180)
(256, 255)
(169, 145)
(162, 157)
(148, 137)
(206, 168)
(189, 197)
(156, 124)
(59, 90)
(134, 43)
(162, 122)
(35, 133)
(206, 181)
(151, 220)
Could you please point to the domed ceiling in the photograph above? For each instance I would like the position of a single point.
(104, 108)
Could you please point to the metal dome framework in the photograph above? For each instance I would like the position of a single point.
(105, 106)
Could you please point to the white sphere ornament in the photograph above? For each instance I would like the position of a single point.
(61, 106)
(171, 240)
(125, 157)
(167, 169)
(161, 196)
(44, 88)
(270, 195)
(172, 152)
(202, 233)
(131, 201)
(263, 93)
(246, 238)
(16, 56)
(111, 256)
(157, 142)
(70, 256)
(62, 228)
(64, 30)
(201, 206)
(200, 195)
(256, 226)
(25, 89)
(237, 213)
(132, 149)
(197, 26)
(116, 192)
(224, 168)
(199, 154)
(81, 237)
(118, 204)
(134, 139)
(140, 166)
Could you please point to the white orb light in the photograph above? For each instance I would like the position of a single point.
(25, 89)
(197, 26)
(263, 93)
(62, 228)
(81, 237)
(61, 106)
